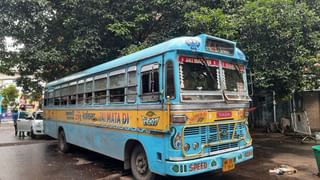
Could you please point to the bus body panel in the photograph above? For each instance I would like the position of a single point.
(111, 142)
(106, 128)
(207, 164)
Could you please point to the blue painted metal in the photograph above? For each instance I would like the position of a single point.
(238, 156)
(176, 44)
(111, 141)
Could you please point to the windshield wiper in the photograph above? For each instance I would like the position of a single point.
(204, 62)
(237, 68)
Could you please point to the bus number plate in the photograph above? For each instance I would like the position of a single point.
(227, 165)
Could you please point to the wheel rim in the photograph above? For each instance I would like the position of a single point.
(141, 164)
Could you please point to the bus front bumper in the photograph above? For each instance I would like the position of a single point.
(207, 164)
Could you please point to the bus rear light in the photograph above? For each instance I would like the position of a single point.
(179, 119)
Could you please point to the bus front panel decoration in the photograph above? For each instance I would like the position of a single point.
(177, 108)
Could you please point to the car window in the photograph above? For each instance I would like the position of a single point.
(39, 115)
(25, 115)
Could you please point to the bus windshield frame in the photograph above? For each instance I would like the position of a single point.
(211, 80)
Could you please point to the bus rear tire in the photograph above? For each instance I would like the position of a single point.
(62, 142)
(139, 165)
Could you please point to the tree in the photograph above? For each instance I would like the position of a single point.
(281, 39)
(63, 37)
(9, 94)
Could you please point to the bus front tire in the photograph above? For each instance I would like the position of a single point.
(62, 142)
(139, 165)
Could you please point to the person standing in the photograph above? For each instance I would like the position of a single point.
(15, 118)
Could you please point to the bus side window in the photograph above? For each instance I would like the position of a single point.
(80, 92)
(100, 89)
(51, 98)
(117, 86)
(64, 95)
(150, 83)
(88, 91)
(132, 84)
(46, 94)
(57, 97)
(72, 94)
(170, 88)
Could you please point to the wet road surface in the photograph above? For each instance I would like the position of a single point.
(39, 159)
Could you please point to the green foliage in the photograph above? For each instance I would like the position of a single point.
(63, 37)
(280, 37)
(211, 21)
(281, 40)
(9, 94)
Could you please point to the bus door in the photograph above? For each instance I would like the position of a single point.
(150, 104)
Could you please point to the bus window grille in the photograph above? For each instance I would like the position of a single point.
(203, 129)
(223, 146)
(191, 131)
(213, 129)
(210, 134)
(203, 139)
(213, 138)
(233, 145)
(239, 130)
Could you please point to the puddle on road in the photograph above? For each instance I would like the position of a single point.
(81, 161)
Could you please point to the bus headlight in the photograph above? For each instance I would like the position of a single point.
(186, 147)
(195, 146)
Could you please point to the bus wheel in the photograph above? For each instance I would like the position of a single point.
(62, 142)
(139, 165)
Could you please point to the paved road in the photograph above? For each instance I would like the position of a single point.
(39, 159)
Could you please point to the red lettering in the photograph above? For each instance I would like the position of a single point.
(224, 114)
(198, 166)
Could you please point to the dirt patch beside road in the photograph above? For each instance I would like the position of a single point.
(274, 149)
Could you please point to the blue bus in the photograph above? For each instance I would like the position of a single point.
(178, 108)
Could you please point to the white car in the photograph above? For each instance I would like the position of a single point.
(32, 123)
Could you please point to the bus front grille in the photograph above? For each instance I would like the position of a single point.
(216, 137)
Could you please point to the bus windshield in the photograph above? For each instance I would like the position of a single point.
(234, 80)
(197, 77)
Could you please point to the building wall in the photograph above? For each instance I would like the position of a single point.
(312, 107)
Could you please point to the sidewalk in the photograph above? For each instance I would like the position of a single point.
(7, 137)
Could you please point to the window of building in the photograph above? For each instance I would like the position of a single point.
(132, 84)
(170, 88)
(150, 83)
(100, 92)
(117, 86)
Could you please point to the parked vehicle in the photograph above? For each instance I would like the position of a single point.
(178, 108)
(32, 123)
